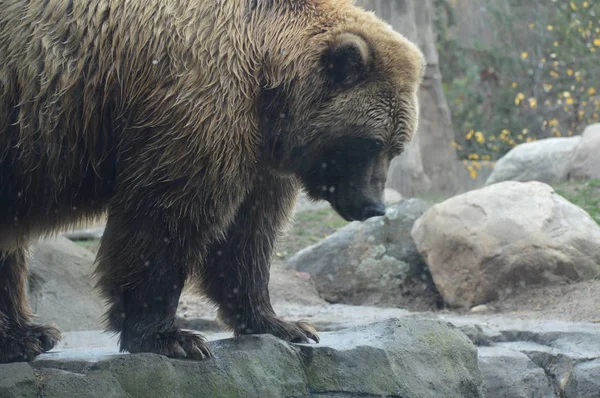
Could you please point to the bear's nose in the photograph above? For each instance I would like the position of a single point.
(373, 210)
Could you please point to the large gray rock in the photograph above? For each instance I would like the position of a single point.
(373, 262)
(586, 162)
(397, 357)
(61, 289)
(17, 380)
(548, 160)
(384, 351)
(587, 375)
(511, 374)
(483, 244)
(429, 163)
(525, 358)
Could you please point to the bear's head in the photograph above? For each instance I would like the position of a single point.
(346, 105)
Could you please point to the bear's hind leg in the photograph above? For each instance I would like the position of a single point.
(141, 273)
(20, 339)
(236, 272)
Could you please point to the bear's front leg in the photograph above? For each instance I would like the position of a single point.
(236, 272)
(143, 262)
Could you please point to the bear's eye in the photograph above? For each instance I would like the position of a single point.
(373, 145)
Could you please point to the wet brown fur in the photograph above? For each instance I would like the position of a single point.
(192, 124)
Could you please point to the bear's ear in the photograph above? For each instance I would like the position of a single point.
(347, 59)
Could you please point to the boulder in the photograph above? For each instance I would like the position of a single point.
(587, 375)
(586, 162)
(17, 380)
(535, 358)
(61, 289)
(396, 357)
(548, 160)
(509, 373)
(481, 245)
(373, 262)
(391, 196)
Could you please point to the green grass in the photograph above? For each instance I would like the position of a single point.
(583, 194)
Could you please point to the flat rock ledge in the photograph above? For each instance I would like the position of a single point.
(392, 358)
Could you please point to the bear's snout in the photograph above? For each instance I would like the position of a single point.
(373, 210)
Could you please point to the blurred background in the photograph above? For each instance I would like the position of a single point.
(500, 73)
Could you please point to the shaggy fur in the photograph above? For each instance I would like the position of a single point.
(192, 124)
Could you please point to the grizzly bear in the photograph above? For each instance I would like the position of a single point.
(192, 125)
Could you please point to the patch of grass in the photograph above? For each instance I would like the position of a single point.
(585, 194)
(309, 227)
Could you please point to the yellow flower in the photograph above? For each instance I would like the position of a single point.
(570, 72)
(524, 55)
(591, 91)
(514, 84)
(580, 114)
(455, 145)
(473, 174)
(547, 86)
(554, 74)
(532, 102)
(469, 135)
(479, 137)
(486, 157)
(473, 156)
(570, 101)
(553, 123)
(597, 41)
(531, 26)
(520, 97)
(477, 165)
(550, 27)
(573, 6)
(585, 4)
